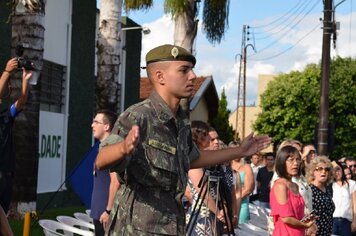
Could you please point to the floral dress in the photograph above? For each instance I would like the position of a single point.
(199, 223)
(324, 207)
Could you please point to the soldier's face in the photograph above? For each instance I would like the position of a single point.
(179, 79)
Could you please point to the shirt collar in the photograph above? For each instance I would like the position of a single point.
(164, 113)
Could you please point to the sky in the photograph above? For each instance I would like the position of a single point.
(286, 36)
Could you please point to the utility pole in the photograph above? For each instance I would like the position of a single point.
(240, 89)
(325, 75)
(241, 92)
(244, 92)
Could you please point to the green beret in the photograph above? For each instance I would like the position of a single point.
(169, 52)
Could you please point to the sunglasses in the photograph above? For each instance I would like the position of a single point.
(327, 169)
(351, 166)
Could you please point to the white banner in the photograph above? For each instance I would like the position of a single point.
(51, 154)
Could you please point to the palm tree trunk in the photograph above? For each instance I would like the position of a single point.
(186, 26)
(27, 27)
(108, 46)
(185, 32)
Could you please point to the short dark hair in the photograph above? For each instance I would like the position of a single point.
(268, 154)
(349, 159)
(281, 159)
(110, 117)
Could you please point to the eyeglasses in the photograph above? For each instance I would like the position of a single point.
(97, 122)
(319, 168)
(351, 166)
(337, 169)
(292, 160)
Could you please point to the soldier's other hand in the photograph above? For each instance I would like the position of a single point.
(253, 144)
(132, 139)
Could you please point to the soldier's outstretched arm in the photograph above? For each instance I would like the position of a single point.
(112, 154)
(250, 145)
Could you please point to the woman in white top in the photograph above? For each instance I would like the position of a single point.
(344, 194)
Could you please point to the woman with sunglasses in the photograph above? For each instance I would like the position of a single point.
(287, 204)
(344, 193)
(319, 175)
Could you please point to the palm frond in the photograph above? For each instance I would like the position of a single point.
(216, 19)
(31, 5)
(175, 7)
(137, 5)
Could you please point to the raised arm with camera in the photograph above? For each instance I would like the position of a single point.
(7, 118)
(10, 67)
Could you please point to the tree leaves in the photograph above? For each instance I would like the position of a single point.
(290, 106)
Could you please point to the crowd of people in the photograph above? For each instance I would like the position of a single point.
(306, 194)
(158, 173)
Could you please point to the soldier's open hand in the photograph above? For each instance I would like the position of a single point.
(132, 139)
(253, 144)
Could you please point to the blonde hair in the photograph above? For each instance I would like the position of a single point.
(290, 142)
(313, 164)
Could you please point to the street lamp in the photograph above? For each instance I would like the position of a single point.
(145, 30)
(122, 66)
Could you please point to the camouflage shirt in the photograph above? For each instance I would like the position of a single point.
(154, 177)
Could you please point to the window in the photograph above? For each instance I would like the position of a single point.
(52, 87)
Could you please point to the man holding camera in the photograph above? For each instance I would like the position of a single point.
(7, 118)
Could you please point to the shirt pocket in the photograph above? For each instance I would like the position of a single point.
(161, 155)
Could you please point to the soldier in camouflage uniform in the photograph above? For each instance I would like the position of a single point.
(157, 150)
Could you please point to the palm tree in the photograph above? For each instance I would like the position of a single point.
(27, 20)
(184, 13)
(108, 46)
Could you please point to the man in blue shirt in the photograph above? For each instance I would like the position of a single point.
(105, 184)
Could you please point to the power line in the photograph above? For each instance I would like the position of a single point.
(287, 49)
(285, 34)
(271, 29)
(279, 18)
(288, 23)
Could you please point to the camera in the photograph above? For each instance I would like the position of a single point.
(22, 62)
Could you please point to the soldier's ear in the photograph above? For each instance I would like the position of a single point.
(160, 77)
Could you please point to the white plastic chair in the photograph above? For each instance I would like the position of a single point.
(71, 221)
(83, 216)
(55, 228)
